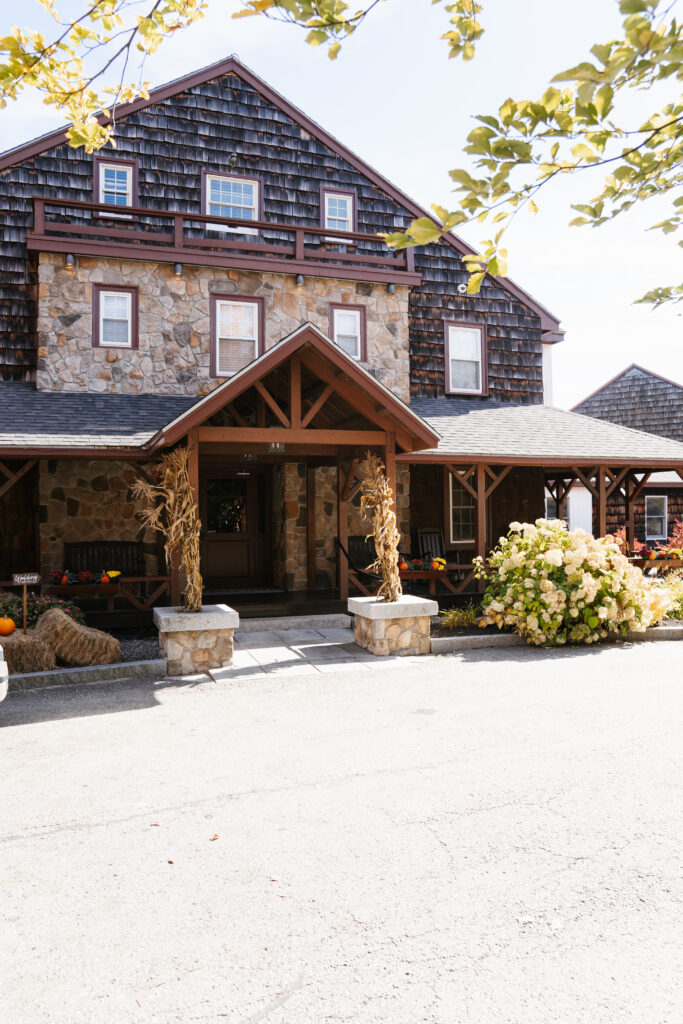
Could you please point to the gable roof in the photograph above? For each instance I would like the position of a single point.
(78, 422)
(550, 324)
(306, 336)
(501, 432)
(640, 399)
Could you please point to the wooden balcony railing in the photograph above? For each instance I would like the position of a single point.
(135, 232)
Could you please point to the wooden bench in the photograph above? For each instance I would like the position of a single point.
(361, 553)
(125, 556)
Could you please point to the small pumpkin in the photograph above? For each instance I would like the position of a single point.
(6, 626)
(403, 565)
(105, 579)
(64, 580)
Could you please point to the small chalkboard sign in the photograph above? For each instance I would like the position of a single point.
(25, 580)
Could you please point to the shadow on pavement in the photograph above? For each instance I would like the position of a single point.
(520, 654)
(26, 707)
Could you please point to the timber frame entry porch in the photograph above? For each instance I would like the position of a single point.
(303, 401)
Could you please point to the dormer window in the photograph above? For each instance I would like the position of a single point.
(338, 210)
(115, 182)
(347, 329)
(115, 317)
(465, 352)
(227, 196)
(236, 333)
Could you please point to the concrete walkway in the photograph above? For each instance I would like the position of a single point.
(298, 652)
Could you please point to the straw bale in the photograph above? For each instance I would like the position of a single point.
(74, 644)
(26, 652)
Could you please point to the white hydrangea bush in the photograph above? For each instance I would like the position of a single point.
(559, 586)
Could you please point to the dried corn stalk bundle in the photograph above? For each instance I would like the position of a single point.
(171, 509)
(376, 501)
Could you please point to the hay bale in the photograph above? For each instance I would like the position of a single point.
(75, 644)
(26, 652)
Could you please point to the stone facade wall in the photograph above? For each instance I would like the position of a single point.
(173, 357)
(289, 526)
(193, 651)
(83, 500)
(404, 636)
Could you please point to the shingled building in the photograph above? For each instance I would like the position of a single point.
(643, 400)
(216, 279)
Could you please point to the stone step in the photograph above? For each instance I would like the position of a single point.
(334, 621)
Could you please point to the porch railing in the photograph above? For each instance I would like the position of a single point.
(138, 232)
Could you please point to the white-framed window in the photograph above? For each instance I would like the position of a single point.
(236, 334)
(116, 184)
(232, 197)
(339, 212)
(348, 329)
(656, 525)
(465, 352)
(462, 512)
(115, 327)
(550, 506)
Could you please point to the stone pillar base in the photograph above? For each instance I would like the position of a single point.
(196, 641)
(393, 627)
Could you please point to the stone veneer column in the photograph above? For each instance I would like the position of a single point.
(393, 627)
(196, 641)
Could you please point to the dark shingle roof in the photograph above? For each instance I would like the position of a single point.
(639, 399)
(501, 430)
(32, 419)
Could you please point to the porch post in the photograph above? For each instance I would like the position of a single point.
(480, 548)
(602, 501)
(193, 461)
(630, 510)
(342, 533)
(390, 464)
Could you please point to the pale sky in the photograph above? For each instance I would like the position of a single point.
(394, 98)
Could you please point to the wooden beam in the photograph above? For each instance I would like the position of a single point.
(617, 480)
(602, 501)
(22, 471)
(295, 391)
(310, 527)
(257, 435)
(585, 478)
(193, 461)
(342, 533)
(390, 464)
(240, 420)
(270, 401)
(318, 404)
(639, 484)
(495, 479)
(3, 469)
(350, 476)
(462, 478)
(480, 533)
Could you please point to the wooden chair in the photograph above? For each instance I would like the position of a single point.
(361, 552)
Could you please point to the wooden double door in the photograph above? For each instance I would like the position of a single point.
(235, 511)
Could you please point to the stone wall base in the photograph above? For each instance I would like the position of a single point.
(196, 650)
(393, 636)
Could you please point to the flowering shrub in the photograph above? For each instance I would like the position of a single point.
(12, 606)
(672, 584)
(556, 586)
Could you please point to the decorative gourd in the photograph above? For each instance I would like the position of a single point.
(6, 626)
(64, 580)
(105, 579)
(403, 565)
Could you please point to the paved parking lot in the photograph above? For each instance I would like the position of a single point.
(491, 837)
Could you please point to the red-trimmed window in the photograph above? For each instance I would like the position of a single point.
(237, 333)
(348, 330)
(114, 316)
(465, 350)
(230, 196)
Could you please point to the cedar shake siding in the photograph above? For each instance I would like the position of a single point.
(226, 126)
(639, 399)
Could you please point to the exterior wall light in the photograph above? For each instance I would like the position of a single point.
(391, 288)
(276, 447)
(299, 279)
(177, 270)
(70, 262)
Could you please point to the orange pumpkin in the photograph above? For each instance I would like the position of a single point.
(6, 627)
(435, 565)
(403, 565)
(64, 580)
(105, 579)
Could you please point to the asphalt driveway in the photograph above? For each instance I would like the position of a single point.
(486, 839)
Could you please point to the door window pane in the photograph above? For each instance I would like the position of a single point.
(226, 506)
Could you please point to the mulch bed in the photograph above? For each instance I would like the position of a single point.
(138, 644)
